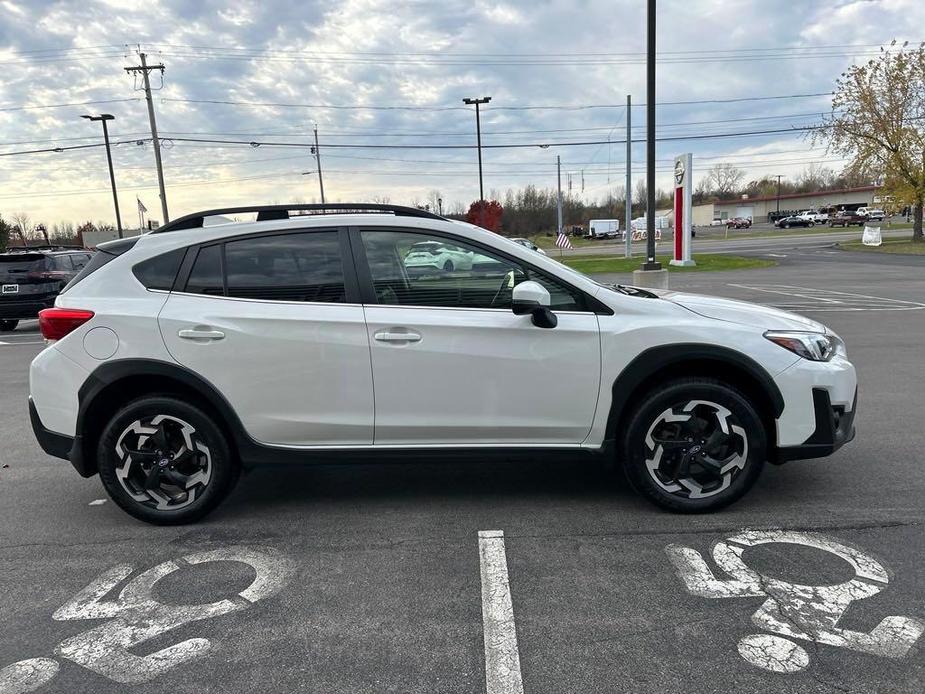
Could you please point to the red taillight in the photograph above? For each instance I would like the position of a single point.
(55, 323)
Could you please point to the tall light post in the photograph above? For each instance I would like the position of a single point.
(440, 206)
(478, 135)
(103, 117)
(651, 263)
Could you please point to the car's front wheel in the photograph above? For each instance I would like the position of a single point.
(165, 461)
(7, 326)
(694, 445)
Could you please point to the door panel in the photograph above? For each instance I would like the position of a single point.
(296, 373)
(482, 376)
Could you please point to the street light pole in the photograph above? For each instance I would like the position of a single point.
(478, 135)
(103, 117)
(651, 263)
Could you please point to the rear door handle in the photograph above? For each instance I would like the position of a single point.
(198, 334)
(396, 336)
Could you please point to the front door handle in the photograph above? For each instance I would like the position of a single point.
(200, 334)
(395, 335)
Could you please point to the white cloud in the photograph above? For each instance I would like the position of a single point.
(383, 53)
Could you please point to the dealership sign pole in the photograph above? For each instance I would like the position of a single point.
(682, 211)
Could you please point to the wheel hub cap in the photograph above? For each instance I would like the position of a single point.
(696, 449)
(164, 462)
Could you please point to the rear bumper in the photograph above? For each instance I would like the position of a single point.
(834, 428)
(58, 445)
(23, 310)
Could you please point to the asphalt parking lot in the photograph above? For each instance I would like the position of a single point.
(376, 578)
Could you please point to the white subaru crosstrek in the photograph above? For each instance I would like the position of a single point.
(177, 358)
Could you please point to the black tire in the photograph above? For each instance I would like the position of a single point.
(212, 461)
(448, 266)
(811, 224)
(743, 450)
(786, 226)
(8, 326)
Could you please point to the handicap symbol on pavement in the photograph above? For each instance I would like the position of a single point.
(135, 617)
(802, 612)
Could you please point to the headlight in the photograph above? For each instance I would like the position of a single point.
(812, 346)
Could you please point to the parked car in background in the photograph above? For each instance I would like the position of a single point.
(431, 255)
(873, 214)
(529, 244)
(717, 223)
(794, 221)
(738, 223)
(847, 218)
(32, 277)
(814, 216)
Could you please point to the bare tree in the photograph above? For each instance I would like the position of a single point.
(22, 225)
(725, 179)
(640, 194)
(435, 200)
(878, 119)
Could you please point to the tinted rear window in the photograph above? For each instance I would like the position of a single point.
(16, 267)
(160, 271)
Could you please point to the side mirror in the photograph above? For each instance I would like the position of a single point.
(533, 298)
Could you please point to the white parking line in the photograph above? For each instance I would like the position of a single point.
(802, 298)
(502, 659)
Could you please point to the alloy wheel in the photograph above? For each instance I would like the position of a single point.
(695, 450)
(164, 462)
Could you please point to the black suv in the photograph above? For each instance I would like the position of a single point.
(31, 278)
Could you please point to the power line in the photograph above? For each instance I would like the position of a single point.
(75, 103)
(363, 107)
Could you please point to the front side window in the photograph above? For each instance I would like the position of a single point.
(419, 269)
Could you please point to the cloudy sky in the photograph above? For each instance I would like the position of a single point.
(384, 82)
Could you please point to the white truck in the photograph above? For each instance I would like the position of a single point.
(604, 229)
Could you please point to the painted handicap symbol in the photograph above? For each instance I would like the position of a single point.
(135, 617)
(808, 613)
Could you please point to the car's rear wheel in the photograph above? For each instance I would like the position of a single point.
(811, 224)
(694, 445)
(8, 325)
(786, 226)
(165, 461)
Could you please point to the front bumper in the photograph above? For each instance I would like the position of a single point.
(58, 445)
(834, 428)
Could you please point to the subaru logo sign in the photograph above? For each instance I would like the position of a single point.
(679, 171)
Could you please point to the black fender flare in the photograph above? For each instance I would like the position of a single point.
(654, 360)
(109, 373)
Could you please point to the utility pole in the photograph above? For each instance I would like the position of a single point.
(317, 153)
(651, 263)
(144, 69)
(440, 206)
(628, 231)
(103, 117)
(559, 196)
(478, 135)
(779, 176)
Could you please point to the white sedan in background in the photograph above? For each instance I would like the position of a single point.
(436, 256)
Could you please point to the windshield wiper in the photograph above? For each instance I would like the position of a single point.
(632, 291)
